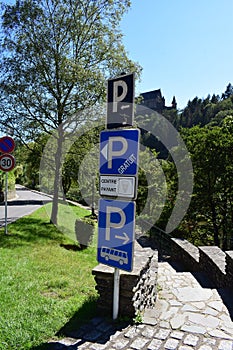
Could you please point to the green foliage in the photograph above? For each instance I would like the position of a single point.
(138, 318)
(171, 177)
(211, 110)
(208, 136)
(10, 181)
(209, 219)
(149, 125)
(81, 166)
(229, 92)
(28, 157)
(151, 187)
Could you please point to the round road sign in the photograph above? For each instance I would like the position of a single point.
(7, 144)
(7, 162)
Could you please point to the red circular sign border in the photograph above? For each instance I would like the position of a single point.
(9, 156)
(13, 143)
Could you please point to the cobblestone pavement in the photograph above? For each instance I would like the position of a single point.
(188, 315)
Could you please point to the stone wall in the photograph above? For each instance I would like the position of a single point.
(213, 261)
(210, 259)
(11, 194)
(229, 266)
(185, 252)
(137, 288)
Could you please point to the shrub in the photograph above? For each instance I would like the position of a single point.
(84, 230)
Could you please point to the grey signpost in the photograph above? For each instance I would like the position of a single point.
(7, 163)
(119, 154)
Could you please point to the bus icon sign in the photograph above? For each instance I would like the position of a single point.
(114, 254)
(116, 233)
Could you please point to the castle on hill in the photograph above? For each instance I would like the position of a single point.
(155, 101)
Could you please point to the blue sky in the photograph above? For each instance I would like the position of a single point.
(185, 47)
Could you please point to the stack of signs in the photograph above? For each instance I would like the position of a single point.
(7, 161)
(119, 154)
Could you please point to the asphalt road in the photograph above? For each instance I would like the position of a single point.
(25, 203)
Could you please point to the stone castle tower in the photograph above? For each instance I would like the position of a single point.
(155, 101)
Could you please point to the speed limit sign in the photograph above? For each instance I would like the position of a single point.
(7, 162)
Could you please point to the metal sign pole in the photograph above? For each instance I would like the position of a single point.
(6, 190)
(116, 292)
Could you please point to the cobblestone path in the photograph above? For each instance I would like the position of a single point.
(189, 314)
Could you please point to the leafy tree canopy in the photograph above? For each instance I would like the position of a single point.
(55, 58)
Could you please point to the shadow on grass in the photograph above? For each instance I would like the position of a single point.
(82, 316)
(72, 327)
(29, 231)
(85, 326)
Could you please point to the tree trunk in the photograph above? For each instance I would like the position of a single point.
(57, 177)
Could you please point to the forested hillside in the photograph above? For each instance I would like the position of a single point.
(210, 110)
(206, 126)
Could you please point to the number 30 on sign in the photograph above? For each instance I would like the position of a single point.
(7, 162)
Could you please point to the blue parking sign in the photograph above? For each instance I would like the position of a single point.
(116, 233)
(119, 151)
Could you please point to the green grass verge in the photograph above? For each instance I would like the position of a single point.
(43, 287)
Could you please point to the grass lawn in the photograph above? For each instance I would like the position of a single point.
(42, 285)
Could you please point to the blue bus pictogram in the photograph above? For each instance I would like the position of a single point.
(114, 254)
